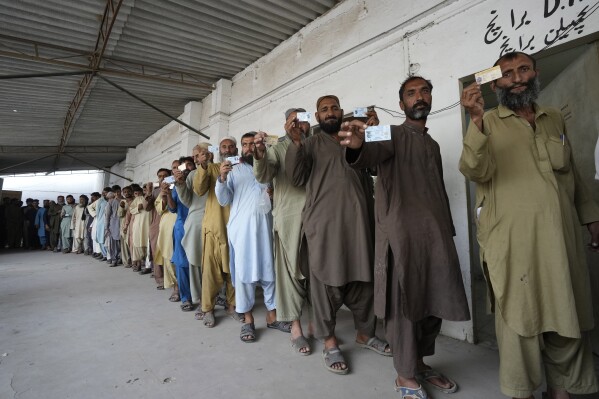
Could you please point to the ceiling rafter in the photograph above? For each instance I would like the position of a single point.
(110, 13)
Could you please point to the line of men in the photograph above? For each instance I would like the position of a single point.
(326, 236)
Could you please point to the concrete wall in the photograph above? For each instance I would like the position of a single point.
(361, 51)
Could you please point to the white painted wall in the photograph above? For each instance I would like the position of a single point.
(361, 51)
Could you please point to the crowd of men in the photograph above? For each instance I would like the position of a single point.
(302, 218)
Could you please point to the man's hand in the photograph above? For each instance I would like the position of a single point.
(140, 207)
(293, 129)
(594, 230)
(472, 101)
(124, 230)
(122, 204)
(352, 134)
(203, 157)
(225, 168)
(373, 118)
(165, 188)
(259, 145)
(179, 176)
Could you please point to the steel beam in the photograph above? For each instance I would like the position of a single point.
(69, 149)
(110, 12)
(42, 75)
(149, 72)
(97, 167)
(28, 161)
(153, 106)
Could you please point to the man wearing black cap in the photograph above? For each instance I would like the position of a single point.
(337, 216)
(269, 166)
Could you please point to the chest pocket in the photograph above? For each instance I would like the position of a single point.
(559, 154)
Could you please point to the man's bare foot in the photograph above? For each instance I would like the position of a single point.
(296, 332)
(441, 381)
(331, 343)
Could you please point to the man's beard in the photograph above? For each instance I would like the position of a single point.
(520, 100)
(418, 114)
(331, 125)
(249, 159)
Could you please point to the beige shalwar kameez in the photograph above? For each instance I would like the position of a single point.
(292, 285)
(531, 202)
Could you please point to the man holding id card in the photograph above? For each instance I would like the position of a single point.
(531, 203)
(336, 247)
(418, 281)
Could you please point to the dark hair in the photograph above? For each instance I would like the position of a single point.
(116, 187)
(86, 200)
(107, 189)
(95, 194)
(248, 134)
(410, 79)
(164, 170)
(514, 54)
(186, 159)
(70, 196)
(136, 188)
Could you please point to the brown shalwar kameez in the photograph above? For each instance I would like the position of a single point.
(336, 232)
(417, 278)
(153, 236)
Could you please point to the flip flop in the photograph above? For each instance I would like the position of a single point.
(160, 287)
(248, 333)
(299, 343)
(376, 345)
(332, 356)
(411, 393)
(199, 315)
(426, 375)
(283, 326)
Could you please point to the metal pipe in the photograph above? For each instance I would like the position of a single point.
(96, 166)
(152, 106)
(26, 162)
(43, 75)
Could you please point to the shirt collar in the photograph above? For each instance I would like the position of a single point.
(416, 129)
(504, 111)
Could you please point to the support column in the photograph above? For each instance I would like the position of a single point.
(220, 111)
(192, 115)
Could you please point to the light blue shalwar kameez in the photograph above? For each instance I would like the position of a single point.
(250, 236)
(101, 224)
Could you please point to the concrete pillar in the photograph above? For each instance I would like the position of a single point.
(219, 115)
(192, 115)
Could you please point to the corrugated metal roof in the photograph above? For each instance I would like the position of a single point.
(196, 41)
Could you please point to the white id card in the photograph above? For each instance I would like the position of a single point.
(234, 160)
(378, 133)
(213, 149)
(488, 75)
(304, 117)
(360, 112)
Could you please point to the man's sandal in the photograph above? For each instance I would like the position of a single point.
(376, 345)
(427, 375)
(187, 306)
(175, 298)
(248, 333)
(300, 343)
(209, 319)
(333, 356)
(411, 393)
(283, 326)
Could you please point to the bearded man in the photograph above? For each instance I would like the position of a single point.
(530, 203)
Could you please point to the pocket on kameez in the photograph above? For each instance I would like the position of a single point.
(559, 154)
